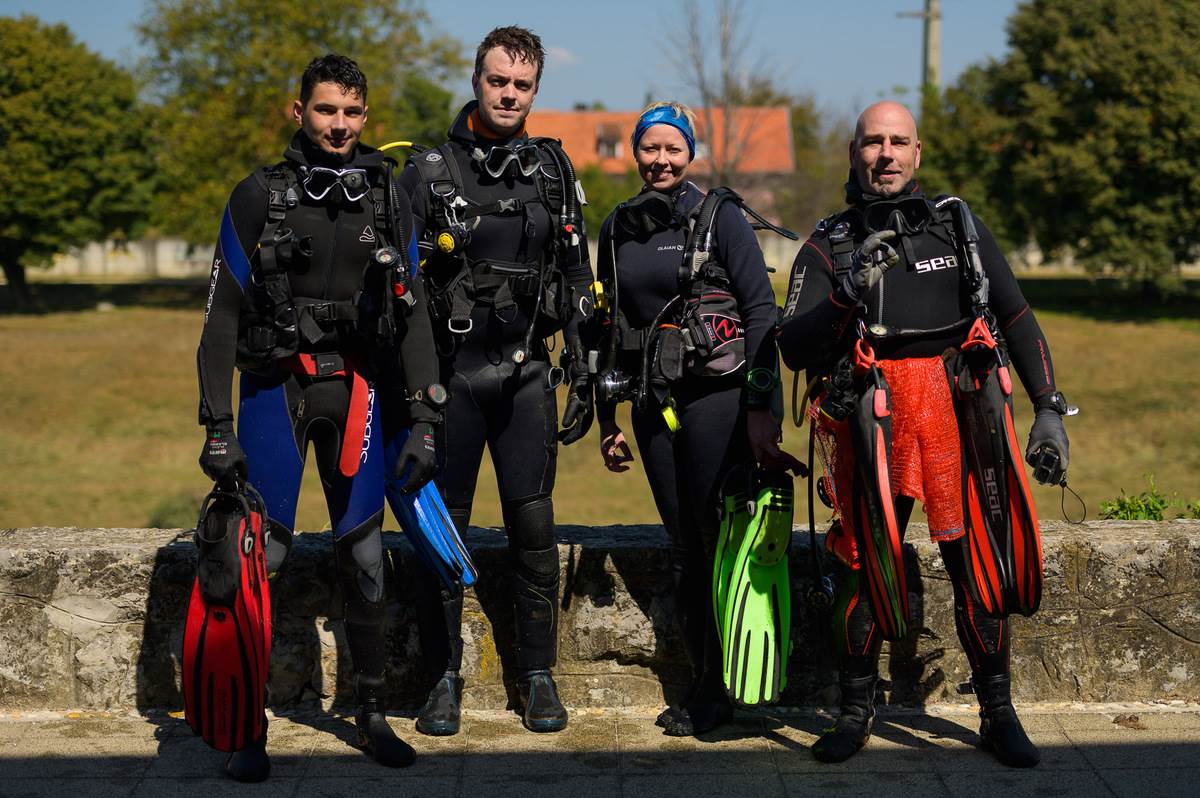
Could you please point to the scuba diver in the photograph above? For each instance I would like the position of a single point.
(904, 313)
(313, 294)
(505, 265)
(701, 409)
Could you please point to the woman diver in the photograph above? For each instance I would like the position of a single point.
(695, 351)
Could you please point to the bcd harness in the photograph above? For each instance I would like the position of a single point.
(316, 337)
(698, 331)
(278, 324)
(454, 294)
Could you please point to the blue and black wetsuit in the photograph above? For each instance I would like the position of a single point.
(686, 469)
(327, 392)
(511, 409)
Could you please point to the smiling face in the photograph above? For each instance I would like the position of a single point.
(332, 119)
(662, 157)
(885, 152)
(505, 87)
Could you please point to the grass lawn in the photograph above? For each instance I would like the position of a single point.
(98, 413)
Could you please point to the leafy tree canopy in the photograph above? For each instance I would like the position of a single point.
(226, 72)
(604, 193)
(72, 147)
(1085, 135)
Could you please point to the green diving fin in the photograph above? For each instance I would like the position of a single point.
(755, 619)
(735, 519)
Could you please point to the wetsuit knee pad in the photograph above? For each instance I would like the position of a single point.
(530, 522)
(984, 638)
(531, 539)
(279, 543)
(360, 571)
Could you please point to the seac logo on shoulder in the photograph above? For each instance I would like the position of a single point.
(936, 264)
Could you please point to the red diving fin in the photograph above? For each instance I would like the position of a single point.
(879, 546)
(227, 635)
(1002, 545)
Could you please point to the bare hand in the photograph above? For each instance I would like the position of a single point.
(614, 448)
(765, 436)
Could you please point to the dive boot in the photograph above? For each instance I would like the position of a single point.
(1000, 731)
(439, 717)
(702, 714)
(541, 711)
(853, 728)
(251, 764)
(375, 735)
(708, 708)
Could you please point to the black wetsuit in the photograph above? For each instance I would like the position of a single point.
(282, 408)
(924, 291)
(511, 409)
(686, 469)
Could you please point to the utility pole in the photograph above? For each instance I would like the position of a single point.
(931, 42)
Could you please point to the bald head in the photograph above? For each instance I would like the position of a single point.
(885, 152)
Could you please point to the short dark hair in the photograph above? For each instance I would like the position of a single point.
(333, 68)
(520, 43)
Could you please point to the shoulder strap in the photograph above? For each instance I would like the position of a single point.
(439, 172)
(838, 229)
(281, 197)
(697, 250)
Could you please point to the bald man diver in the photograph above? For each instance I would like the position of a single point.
(907, 313)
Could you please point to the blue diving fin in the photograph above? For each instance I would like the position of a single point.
(429, 528)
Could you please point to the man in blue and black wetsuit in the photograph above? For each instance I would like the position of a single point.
(505, 266)
(310, 300)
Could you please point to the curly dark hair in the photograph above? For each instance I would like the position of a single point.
(333, 68)
(520, 43)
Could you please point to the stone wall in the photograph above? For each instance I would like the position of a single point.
(93, 618)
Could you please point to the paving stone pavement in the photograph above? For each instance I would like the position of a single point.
(1134, 750)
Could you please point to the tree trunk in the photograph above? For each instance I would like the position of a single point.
(18, 288)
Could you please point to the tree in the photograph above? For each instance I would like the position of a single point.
(226, 72)
(714, 69)
(72, 148)
(819, 144)
(1087, 133)
(605, 192)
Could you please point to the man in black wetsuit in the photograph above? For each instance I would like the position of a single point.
(301, 277)
(505, 265)
(910, 278)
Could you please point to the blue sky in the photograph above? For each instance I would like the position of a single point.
(845, 54)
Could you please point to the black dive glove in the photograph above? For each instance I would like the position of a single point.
(1047, 449)
(872, 260)
(222, 458)
(418, 458)
(581, 410)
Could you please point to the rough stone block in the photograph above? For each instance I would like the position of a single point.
(93, 618)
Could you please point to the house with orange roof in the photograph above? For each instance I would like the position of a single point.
(755, 141)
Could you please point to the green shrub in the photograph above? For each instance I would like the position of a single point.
(1148, 505)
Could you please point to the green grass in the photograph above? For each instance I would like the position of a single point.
(98, 412)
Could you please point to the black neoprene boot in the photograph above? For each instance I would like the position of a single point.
(250, 765)
(375, 735)
(541, 711)
(439, 716)
(853, 727)
(708, 708)
(1000, 731)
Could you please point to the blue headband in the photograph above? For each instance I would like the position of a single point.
(665, 115)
